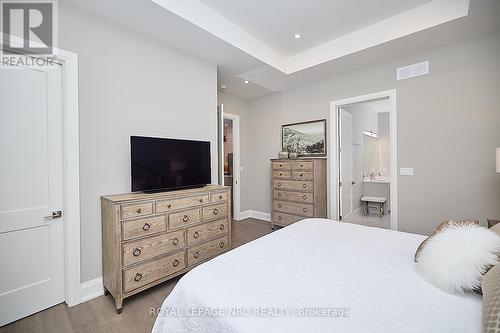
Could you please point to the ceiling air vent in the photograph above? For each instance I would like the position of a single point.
(410, 71)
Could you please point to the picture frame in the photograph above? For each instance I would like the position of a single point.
(307, 138)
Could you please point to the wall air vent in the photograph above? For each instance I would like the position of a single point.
(410, 71)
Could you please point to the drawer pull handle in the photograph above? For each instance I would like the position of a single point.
(137, 252)
(185, 218)
(220, 197)
(279, 194)
(196, 234)
(305, 197)
(304, 185)
(175, 263)
(146, 226)
(169, 206)
(216, 211)
(139, 210)
(221, 227)
(279, 205)
(197, 254)
(304, 210)
(221, 245)
(201, 200)
(175, 241)
(138, 277)
(279, 217)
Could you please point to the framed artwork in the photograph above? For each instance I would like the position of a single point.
(308, 139)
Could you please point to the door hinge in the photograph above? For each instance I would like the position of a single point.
(340, 218)
(340, 184)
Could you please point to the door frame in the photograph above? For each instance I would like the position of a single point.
(237, 164)
(340, 162)
(71, 178)
(334, 158)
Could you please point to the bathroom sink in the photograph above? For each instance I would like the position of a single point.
(378, 179)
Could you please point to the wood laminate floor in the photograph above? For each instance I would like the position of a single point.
(99, 315)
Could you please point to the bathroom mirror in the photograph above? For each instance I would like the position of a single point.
(370, 154)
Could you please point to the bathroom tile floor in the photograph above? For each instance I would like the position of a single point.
(371, 220)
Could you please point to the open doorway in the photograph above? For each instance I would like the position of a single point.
(229, 156)
(365, 173)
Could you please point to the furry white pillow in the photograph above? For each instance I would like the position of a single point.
(456, 258)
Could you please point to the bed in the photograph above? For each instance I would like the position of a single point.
(317, 275)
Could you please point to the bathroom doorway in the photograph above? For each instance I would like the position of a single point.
(366, 161)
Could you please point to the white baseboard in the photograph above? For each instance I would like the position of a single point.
(256, 215)
(91, 289)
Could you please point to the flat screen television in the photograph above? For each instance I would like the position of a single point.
(168, 164)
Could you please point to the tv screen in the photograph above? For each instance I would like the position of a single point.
(167, 164)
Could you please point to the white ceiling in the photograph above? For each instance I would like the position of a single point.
(196, 28)
(276, 21)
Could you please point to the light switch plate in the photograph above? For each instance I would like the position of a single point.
(406, 172)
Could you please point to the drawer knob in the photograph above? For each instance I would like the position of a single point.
(301, 175)
(281, 174)
(304, 196)
(279, 217)
(201, 200)
(301, 165)
(216, 211)
(175, 263)
(304, 210)
(279, 184)
(279, 194)
(169, 206)
(196, 255)
(279, 205)
(139, 210)
(146, 226)
(136, 252)
(281, 165)
(175, 241)
(304, 185)
(221, 227)
(196, 234)
(221, 245)
(138, 277)
(220, 197)
(185, 218)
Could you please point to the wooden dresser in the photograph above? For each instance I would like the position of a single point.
(150, 238)
(298, 190)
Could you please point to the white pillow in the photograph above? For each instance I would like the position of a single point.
(456, 258)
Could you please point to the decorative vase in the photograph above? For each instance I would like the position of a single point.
(293, 156)
(283, 155)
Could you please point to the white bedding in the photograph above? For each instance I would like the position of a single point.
(317, 264)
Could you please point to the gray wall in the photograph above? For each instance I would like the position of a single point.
(448, 128)
(240, 106)
(128, 85)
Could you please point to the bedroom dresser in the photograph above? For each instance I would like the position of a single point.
(298, 190)
(150, 238)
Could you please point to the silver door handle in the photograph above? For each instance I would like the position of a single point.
(55, 215)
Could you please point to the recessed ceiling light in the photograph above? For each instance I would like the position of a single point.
(245, 82)
(297, 36)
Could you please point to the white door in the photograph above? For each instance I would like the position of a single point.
(31, 188)
(346, 161)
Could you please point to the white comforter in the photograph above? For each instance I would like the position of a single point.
(350, 278)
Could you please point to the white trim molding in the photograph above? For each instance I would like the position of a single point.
(91, 289)
(255, 214)
(333, 167)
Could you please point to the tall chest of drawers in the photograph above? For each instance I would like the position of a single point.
(298, 190)
(150, 238)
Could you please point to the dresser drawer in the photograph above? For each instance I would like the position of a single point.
(151, 271)
(280, 174)
(152, 247)
(219, 197)
(185, 217)
(214, 212)
(143, 227)
(136, 210)
(282, 165)
(294, 185)
(181, 203)
(202, 233)
(301, 197)
(285, 219)
(302, 175)
(299, 165)
(208, 250)
(294, 208)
